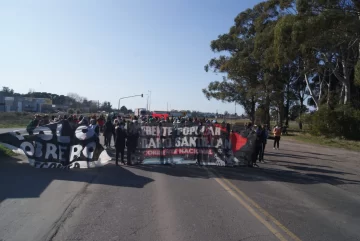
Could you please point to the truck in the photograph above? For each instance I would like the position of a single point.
(139, 112)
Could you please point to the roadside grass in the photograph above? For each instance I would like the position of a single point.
(14, 124)
(15, 119)
(5, 152)
(324, 141)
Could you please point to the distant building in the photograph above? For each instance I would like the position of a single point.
(24, 104)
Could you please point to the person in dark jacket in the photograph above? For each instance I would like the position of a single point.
(258, 144)
(66, 129)
(131, 142)
(263, 138)
(108, 132)
(120, 142)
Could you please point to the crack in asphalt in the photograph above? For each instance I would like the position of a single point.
(69, 210)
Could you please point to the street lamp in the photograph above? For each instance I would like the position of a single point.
(149, 91)
(142, 95)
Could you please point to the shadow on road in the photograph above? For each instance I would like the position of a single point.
(20, 180)
(250, 174)
(295, 156)
(314, 169)
(277, 162)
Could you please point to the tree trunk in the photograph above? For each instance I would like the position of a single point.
(311, 92)
(329, 93)
(267, 109)
(287, 107)
(252, 114)
(281, 114)
(341, 94)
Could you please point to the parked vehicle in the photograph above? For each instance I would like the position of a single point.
(140, 112)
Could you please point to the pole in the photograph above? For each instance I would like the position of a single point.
(149, 100)
(235, 108)
(126, 98)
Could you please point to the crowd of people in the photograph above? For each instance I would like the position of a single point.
(73, 121)
(125, 132)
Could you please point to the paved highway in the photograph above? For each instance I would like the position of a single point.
(4, 130)
(301, 193)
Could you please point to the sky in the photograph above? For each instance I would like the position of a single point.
(108, 49)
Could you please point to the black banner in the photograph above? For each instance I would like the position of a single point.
(165, 143)
(48, 149)
(208, 144)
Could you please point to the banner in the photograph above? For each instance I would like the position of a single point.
(164, 143)
(49, 149)
(191, 144)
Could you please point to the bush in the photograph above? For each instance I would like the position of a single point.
(342, 122)
(78, 112)
(70, 111)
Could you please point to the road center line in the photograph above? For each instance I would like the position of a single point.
(225, 183)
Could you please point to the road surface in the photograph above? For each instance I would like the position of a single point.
(302, 192)
(4, 130)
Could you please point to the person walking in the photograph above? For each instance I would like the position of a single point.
(277, 134)
(120, 142)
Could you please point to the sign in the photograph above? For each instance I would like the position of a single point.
(194, 144)
(163, 143)
(49, 149)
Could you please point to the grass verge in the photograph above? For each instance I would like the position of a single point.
(6, 152)
(329, 142)
(12, 125)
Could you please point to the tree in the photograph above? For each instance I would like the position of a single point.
(123, 109)
(296, 111)
(7, 91)
(106, 106)
(282, 55)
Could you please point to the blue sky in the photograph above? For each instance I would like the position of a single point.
(106, 49)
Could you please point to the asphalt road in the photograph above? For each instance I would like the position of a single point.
(302, 192)
(4, 130)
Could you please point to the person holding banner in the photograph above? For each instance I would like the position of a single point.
(33, 124)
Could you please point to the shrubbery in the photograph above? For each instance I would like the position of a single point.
(343, 122)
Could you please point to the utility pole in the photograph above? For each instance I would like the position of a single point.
(149, 98)
(142, 95)
(147, 102)
(167, 107)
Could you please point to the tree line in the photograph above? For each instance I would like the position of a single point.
(282, 56)
(73, 101)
